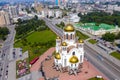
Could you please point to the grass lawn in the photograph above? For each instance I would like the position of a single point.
(96, 78)
(81, 35)
(37, 43)
(42, 36)
(92, 41)
(115, 54)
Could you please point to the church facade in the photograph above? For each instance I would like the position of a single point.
(69, 53)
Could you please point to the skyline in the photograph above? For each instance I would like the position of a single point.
(31, 0)
(59, 39)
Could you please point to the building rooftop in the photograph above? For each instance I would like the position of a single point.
(95, 27)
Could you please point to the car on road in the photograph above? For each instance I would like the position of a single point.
(0, 75)
(1, 69)
(7, 66)
(100, 57)
(7, 72)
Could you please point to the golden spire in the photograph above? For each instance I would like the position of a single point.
(57, 56)
(74, 59)
(81, 41)
(64, 44)
(69, 28)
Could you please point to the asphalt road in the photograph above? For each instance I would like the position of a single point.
(109, 69)
(6, 49)
(53, 27)
(105, 66)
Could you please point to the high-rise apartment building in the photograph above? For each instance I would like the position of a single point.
(13, 11)
(4, 18)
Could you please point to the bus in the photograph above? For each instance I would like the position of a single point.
(34, 60)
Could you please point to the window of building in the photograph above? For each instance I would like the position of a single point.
(64, 48)
(75, 65)
(66, 36)
(65, 62)
(80, 46)
(71, 65)
(73, 53)
(81, 58)
(71, 36)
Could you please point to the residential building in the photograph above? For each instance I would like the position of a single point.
(4, 18)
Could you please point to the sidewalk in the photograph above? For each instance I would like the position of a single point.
(36, 75)
(36, 66)
(12, 67)
(12, 71)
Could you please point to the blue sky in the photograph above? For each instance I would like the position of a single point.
(19, 0)
(15, 0)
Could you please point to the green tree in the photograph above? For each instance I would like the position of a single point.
(19, 21)
(62, 23)
(4, 31)
(118, 36)
(36, 17)
(27, 10)
(101, 17)
(33, 9)
(109, 37)
(25, 26)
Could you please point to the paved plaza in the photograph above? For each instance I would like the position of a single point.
(36, 66)
(88, 70)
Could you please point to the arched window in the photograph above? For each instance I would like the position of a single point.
(71, 65)
(73, 53)
(71, 36)
(66, 36)
(80, 57)
(65, 62)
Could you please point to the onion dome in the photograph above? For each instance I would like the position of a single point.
(69, 28)
(81, 41)
(58, 37)
(57, 56)
(73, 59)
(64, 44)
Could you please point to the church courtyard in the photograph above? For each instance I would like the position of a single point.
(88, 70)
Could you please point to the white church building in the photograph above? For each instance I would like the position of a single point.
(69, 53)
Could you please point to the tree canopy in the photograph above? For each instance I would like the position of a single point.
(3, 32)
(25, 26)
(101, 17)
(111, 36)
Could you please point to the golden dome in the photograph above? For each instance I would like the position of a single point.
(58, 37)
(81, 41)
(64, 44)
(69, 28)
(57, 56)
(73, 59)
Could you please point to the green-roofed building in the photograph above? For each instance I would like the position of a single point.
(97, 29)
